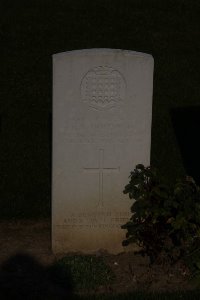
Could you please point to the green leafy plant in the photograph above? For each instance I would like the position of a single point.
(165, 219)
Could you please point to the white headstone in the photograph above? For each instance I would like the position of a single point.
(102, 105)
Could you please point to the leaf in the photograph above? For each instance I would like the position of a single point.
(125, 243)
(160, 192)
(140, 167)
(170, 220)
(197, 263)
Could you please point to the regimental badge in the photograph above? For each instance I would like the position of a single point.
(103, 88)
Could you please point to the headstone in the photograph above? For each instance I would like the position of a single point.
(102, 104)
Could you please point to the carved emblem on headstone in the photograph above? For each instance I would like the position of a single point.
(103, 88)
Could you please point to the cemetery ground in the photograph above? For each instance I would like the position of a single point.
(102, 276)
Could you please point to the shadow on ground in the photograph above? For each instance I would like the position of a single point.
(23, 277)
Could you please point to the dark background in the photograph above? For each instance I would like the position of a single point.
(31, 31)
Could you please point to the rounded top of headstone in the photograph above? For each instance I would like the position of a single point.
(102, 51)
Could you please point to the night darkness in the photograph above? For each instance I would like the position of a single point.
(32, 31)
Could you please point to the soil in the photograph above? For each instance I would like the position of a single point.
(131, 271)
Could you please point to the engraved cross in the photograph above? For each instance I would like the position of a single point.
(101, 170)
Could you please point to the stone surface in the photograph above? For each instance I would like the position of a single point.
(102, 104)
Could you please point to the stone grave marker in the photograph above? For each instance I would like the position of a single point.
(102, 106)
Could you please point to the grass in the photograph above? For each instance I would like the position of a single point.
(190, 295)
(89, 272)
(86, 272)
